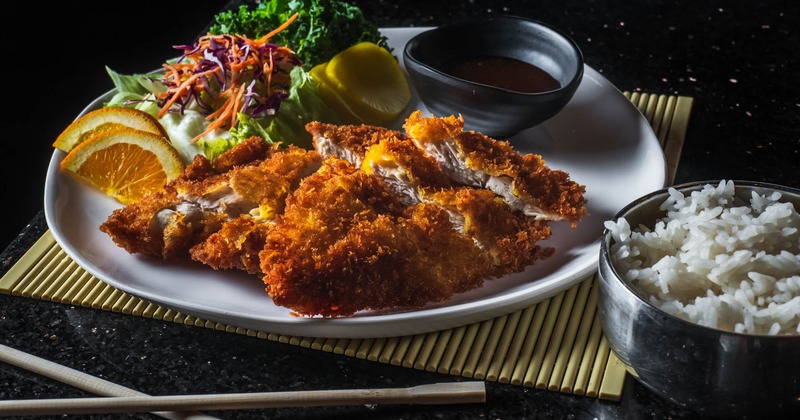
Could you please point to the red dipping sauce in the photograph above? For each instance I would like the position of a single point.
(502, 72)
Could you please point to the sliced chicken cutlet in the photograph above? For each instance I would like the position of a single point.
(405, 169)
(269, 183)
(237, 244)
(347, 142)
(165, 224)
(523, 181)
(251, 179)
(508, 237)
(346, 243)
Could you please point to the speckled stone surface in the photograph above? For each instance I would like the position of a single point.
(739, 62)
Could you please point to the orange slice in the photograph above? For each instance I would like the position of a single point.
(125, 163)
(105, 119)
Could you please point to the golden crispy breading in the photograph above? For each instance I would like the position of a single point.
(238, 242)
(151, 226)
(203, 176)
(335, 196)
(197, 203)
(447, 262)
(471, 158)
(235, 246)
(399, 158)
(131, 227)
(249, 150)
(510, 239)
(269, 182)
(345, 243)
(552, 191)
(348, 142)
(494, 157)
(252, 149)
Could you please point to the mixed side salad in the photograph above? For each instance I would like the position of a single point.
(248, 76)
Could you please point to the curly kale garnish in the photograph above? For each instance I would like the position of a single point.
(322, 29)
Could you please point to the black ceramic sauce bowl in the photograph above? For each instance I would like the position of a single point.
(488, 109)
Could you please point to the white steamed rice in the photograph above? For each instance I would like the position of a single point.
(717, 263)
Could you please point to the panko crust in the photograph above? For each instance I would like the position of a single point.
(130, 227)
(509, 239)
(235, 246)
(481, 152)
(345, 244)
(137, 228)
(354, 138)
(421, 169)
(533, 181)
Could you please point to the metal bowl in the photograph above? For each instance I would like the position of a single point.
(706, 370)
(489, 109)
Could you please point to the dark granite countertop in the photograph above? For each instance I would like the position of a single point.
(738, 60)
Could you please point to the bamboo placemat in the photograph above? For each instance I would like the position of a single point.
(556, 344)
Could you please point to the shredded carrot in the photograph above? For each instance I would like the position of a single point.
(283, 26)
(186, 85)
(237, 103)
(218, 71)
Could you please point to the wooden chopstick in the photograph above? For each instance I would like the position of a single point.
(440, 393)
(119, 399)
(82, 380)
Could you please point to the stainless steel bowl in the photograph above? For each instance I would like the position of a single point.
(709, 371)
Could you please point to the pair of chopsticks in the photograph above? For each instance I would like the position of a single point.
(119, 399)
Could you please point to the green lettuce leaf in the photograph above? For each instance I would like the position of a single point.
(214, 147)
(135, 90)
(301, 107)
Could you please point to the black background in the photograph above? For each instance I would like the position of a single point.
(54, 66)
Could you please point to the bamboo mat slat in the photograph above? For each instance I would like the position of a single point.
(556, 344)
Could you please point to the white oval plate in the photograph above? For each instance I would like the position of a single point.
(600, 138)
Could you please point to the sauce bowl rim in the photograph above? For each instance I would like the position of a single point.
(576, 51)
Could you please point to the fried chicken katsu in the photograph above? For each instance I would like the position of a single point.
(347, 142)
(235, 246)
(370, 219)
(523, 181)
(507, 236)
(404, 169)
(251, 179)
(346, 243)
(509, 239)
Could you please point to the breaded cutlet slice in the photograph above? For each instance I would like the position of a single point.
(524, 182)
(404, 168)
(251, 179)
(347, 142)
(345, 243)
(239, 240)
(509, 238)
(235, 246)
(165, 224)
